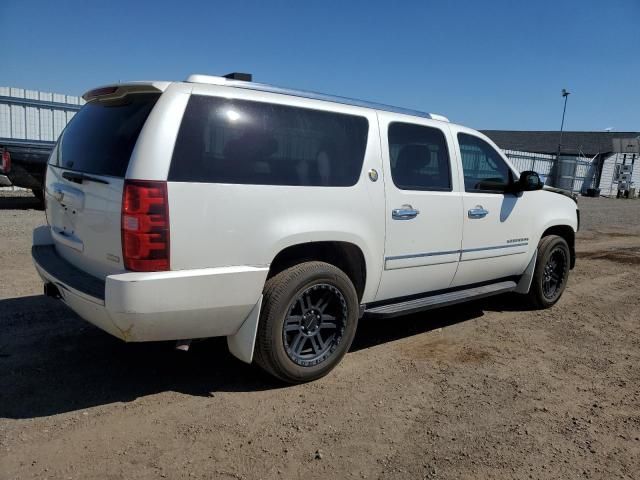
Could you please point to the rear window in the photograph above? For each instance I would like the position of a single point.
(101, 136)
(242, 142)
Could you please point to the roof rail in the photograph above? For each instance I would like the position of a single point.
(262, 87)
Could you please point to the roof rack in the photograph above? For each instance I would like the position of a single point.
(229, 81)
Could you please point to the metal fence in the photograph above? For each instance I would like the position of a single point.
(570, 172)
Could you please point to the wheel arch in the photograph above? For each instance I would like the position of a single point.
(347, 256)
(569, 235)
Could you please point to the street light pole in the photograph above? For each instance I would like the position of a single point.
(556, 177)
(565, 94)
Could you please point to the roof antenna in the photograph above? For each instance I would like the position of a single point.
(245, 77)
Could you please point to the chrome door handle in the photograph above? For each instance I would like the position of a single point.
(478, 212)
(406, 212)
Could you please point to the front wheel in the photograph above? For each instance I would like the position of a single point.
(551, 273)
(308, 321)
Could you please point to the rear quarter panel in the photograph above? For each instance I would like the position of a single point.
(215, 224)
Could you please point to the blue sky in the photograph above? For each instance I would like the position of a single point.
(486, 64)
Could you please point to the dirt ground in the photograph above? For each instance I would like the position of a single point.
(484, 390)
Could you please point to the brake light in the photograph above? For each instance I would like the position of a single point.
(6, 161)
(145, 226)
(99, 92)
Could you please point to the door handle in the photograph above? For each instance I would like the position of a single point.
(478, 212)
(406, 212)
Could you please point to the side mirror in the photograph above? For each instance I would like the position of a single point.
(529, 180)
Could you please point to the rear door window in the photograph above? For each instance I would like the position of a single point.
(419, 157)
(244, 142)
(101, 136)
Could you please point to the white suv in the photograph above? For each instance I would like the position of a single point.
(278, 218)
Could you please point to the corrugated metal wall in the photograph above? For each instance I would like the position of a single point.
(34, 115)
(608, 185)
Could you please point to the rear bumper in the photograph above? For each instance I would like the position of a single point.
(137, 307)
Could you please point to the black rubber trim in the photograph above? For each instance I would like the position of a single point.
(69, 276)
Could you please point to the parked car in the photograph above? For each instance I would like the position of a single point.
(279, 218)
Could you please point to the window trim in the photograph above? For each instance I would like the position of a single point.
(477, 190)
(448, 152)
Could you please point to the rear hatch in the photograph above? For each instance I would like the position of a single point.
(86, 174)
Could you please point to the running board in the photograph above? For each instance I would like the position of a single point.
(440, 300)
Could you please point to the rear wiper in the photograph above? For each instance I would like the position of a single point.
(79, 177)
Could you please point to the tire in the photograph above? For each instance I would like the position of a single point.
(551, 273)
(308, 320)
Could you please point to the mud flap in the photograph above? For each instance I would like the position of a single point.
(242, 343)
(524, 284)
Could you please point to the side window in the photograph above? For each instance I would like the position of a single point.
(243, 142)
(483, 167)
(419, 157)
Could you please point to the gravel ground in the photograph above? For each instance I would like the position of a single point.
(484, 390)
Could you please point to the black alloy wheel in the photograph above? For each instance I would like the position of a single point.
(554, 272)
(315, 324)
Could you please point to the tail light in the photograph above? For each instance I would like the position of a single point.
(6, 161)
(145, 226)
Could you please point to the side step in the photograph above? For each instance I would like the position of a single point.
(440, 300)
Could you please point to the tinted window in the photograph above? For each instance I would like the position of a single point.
(237, 141)
(419, 157)
(484, 169)
(101, 136)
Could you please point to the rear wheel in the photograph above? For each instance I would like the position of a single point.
(308, 321)
(551, 273)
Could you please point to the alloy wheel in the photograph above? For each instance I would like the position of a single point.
(315, 324)
(554, 273)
